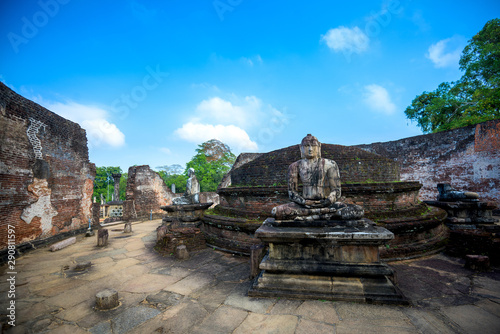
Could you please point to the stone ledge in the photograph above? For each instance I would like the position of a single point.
(325, 268)
(186, 207)
(373, 235)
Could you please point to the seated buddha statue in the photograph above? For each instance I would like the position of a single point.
(321, 191)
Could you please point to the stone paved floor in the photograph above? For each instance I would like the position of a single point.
(207, 294)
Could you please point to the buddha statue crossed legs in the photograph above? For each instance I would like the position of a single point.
(320, 179)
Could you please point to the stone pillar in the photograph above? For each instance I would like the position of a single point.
(102, 237)
(96, 214)
(116, 177)
(173, 187)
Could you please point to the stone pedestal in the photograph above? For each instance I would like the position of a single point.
(468, 214)
(181, 226)
(325, 260)
(184, 215)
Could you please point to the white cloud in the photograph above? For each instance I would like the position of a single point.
(233, 121)
(245, 114)
(345, 39)
(232, 135)
(100, 132)
(446, 53)
(377, 98)
(251, 61)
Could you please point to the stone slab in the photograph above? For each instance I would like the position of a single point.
(260, 323)
(181, 317)
(224, 320)
(239, 298)
(430, 322)
(316, 310)
(286, 306)
(470, 318)
(374, 234)
(62, 244)
(131, 318)
(102, 328)
(307, 327)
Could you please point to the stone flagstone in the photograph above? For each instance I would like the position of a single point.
(216, 301)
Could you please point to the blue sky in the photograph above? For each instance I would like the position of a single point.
(150, 80)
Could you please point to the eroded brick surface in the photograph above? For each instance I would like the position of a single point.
(468, 158)
(146, 191)
(46, 179)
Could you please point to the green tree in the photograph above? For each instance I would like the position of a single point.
(123, 186)
(475, 97)
(104, 183)
(173, 174)
(212, 161)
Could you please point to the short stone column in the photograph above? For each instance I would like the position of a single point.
(102, 237)
(127, 228)
(181, 252)
(256, 256)
(106, 299)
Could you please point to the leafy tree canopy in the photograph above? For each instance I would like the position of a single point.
(173, 174)
(212, 161)
(475, 97)
(104, 183)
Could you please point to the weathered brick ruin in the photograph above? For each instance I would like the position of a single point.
(468, 158)
(146, 191)
(46, 179)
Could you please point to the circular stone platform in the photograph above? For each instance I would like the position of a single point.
(369, 180)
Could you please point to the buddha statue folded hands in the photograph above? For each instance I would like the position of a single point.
(321, 190)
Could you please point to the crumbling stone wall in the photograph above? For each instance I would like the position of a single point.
(209, 197)
(146, 191)
(46, 179)
(468, 158)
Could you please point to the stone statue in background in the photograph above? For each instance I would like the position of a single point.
(448, 194)
(192, 194)
(321, 189)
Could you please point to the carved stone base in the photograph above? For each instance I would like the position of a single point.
(467, 214)
(325, 260)
(169, 238)
(378, 289)
(185, 215)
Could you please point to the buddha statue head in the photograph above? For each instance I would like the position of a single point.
(310, 147)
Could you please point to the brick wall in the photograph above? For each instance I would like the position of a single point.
(468, 158)
(355, 165)
(146, 191)
(387, 199)
(46, 179)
